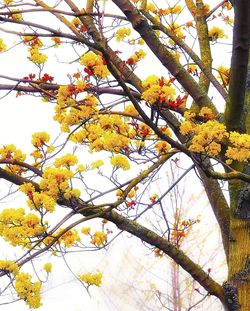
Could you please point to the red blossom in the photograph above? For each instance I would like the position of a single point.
(83, 28)
(47, 78)
(31, 76)
(131, 204)
(130, 61)
(175, 104)
(88, 71)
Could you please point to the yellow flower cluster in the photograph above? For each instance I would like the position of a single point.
(35, 45)
(206, 113)
(39, 139)
(122, 33)
(175, 9)
(216, 33)
(109, 132)
(95, 65)
(96, 164)
(18, 228)
(47, 267)
(68, 111)
(9, 266)
(136, 57)
(92, 279)
(120, 161)
(81, 168)
(38, 200)
(57, 41)
(157, 89)
(240, 149)
(76, 22)
(12, 153)
(41, 201)
(55, 182)
(207, 136)
(2, 46)
(15, 15)
(99, 238)
(176, 29)
(85, 230)
(227, 5)
(37, 57)
(27, 290)
(130, 109)
(66, 160)
(8, 2)
(162, 147)
(69, 238)
(151, 7)
(223, 75)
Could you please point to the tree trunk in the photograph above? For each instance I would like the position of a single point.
(239, 253)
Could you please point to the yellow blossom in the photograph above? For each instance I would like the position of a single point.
(12, 153)
(9, 266)
(37, 57)
(27, 188)
(66, 160)
(216, 33)
(85, 230)
(136, 57)
(39, 139)
(130, 109)
(96, 164)
(120, 161)
(176, 9)
(81, 168)
(122, 33)
(69, 238)
(2, 46)
(57, 41)
(192, 68)
(55, 181)
(92, 279)
(186, 127)
(15, 15)
(71, 194)
(151, 7)
(41, 200)
(149, 81)
(240, 147)
(223, 75)
(95, 64)
(99, 238)
(27, 290)
(47, 267)
(162, 147)
(131, 194)
(206, 113)
(18, 228)
(188, 115)
(76, 22)
(119, 193)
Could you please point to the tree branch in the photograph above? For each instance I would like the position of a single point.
(141, 25)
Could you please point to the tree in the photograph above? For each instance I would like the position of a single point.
(108, 106)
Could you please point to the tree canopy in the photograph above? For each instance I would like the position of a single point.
(137, 87)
